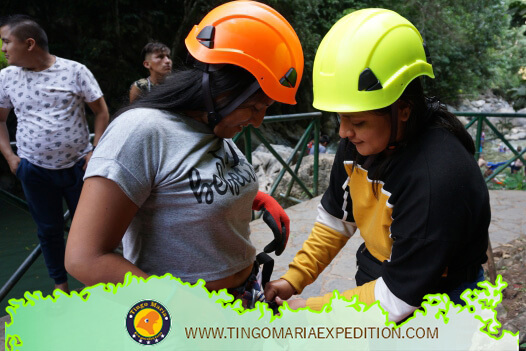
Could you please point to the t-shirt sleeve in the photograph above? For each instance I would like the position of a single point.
(89, 87)
(5, 101)
(121, 158)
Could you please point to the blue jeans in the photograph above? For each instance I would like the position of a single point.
(45, 190)
(454, 294)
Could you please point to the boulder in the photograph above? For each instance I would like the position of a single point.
(306, 175)
(267, 167)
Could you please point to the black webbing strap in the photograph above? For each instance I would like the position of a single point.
(214, 117)
(267, 262)
(225, 111)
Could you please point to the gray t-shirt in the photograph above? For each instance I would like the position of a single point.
(52, 131)
(194, 205)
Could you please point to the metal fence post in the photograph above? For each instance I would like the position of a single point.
(478, 148)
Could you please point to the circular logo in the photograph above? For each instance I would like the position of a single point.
(148, 322)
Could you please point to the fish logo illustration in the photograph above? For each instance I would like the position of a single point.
(148, 322)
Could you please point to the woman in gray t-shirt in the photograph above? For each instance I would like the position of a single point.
(165, 178)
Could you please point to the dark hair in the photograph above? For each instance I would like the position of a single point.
(153, 46)
(426, 112)
(324, 139)
(24, 27)
(182, 90)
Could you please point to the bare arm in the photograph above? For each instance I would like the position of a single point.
(102, 117)
(5, 148)
(134, 93)
(103, 214)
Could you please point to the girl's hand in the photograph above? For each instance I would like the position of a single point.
(279, 288)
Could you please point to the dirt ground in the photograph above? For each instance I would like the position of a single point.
(510, 262)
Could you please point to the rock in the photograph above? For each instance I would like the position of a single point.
(509, 293)
(305, 173)
(267, 167)
(510, 326)
(478, 103)
(503, 263)
(517, 324)
(516, 133)
(520, 321)
(501, 312)
(497, 253)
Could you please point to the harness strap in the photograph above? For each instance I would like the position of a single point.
(268, 266)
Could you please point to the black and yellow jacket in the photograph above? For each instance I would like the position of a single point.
(430, 217)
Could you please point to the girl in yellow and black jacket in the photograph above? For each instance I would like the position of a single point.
(404, 174)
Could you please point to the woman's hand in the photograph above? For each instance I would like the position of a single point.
(279, 288)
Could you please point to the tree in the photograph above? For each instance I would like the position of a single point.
(469, 41)
(517, 11)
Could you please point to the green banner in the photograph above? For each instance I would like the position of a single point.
(162, 313)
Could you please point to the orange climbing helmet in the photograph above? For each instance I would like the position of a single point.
(255, 37)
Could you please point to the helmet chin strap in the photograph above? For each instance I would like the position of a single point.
(214, 116)
(393, 144)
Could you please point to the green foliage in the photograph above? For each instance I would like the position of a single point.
(507, 180)
(517, 10)
(471, 44)
(3, 61)
(518, 96)
(515, 181)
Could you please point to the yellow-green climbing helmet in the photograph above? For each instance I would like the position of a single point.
(366, 60)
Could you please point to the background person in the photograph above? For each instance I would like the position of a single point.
(176, 189)
(48, 94)
(156, 59)
(517, 165)
(404, 174)
(322, 146)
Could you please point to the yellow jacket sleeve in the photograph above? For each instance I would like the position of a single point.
(364, 292)
(317, 252)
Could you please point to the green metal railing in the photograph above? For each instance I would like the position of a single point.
(480, 119)
(301, 146)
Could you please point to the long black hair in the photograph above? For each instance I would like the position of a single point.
(426, 112)
(182, 90)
